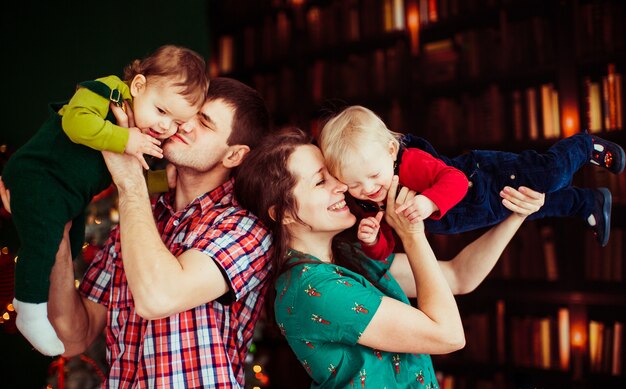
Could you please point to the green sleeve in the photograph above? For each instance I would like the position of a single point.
(84, 119)
(335, 308)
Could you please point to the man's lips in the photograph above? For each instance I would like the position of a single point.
(179, 138)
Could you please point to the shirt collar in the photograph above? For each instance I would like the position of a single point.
(222, 195)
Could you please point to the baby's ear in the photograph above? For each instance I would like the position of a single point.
(393, 149)
(137, 84)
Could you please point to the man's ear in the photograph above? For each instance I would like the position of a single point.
(235, 155)
(137, 85)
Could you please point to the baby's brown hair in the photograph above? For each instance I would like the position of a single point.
(185, 68)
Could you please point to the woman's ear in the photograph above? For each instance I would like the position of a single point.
(235, 155)
(286, 219)
(137, 85)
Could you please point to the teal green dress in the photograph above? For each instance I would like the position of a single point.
(322, 309)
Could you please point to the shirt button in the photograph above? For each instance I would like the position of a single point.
(470, 184)
(512, 176)
(176, 223)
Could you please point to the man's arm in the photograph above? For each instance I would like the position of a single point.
(76, 320)
(470, 267)
(161, 283)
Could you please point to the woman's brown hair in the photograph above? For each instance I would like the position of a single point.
(264, 185)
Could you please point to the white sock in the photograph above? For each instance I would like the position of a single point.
(591, 220)
(32, 321)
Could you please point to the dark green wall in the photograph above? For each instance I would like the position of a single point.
(49, 46)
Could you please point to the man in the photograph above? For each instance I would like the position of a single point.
(180, 304)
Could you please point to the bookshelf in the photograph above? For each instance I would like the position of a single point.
(491, 74)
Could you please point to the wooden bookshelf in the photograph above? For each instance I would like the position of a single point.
(495, 74)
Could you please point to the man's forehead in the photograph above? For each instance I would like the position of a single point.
(217, 111)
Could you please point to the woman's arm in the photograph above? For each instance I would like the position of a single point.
(470, 267)
(436, 326)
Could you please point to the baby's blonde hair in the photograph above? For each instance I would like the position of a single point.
(344, 135)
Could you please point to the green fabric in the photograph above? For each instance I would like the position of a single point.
(51, 180)
(84, 118)
(322, 310)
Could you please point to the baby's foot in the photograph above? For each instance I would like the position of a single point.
(608, 155)
(32, 321)
(600, 218)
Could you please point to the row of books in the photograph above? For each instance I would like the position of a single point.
(481, 117)
(600, 27)
(531, 254)
(551, 341)
(606, 347)
(381, 73)
(507, 44)
(534, 113)
(603, 101)
(534, 254)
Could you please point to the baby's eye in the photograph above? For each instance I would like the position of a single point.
(160, 110)
(320, 182)
(375, 175)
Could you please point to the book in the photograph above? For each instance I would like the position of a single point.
(618, 348)
(564, 338)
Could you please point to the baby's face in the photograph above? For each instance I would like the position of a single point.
(159, 109)
(368, 173)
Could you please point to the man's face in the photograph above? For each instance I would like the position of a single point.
(201, 143)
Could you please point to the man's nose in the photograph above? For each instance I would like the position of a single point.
(185, 127)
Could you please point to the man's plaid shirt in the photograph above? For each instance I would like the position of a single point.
(202, 347)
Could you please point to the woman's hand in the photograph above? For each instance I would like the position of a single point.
(523, 201)
(393, 212)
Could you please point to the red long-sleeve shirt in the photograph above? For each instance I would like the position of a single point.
(431, 177)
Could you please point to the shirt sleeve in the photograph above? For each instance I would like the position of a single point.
(96, 283)
(240, 246)
(383, 247)
(83, 119)
(444, 185)
(337, 308)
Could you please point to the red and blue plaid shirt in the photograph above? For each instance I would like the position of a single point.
(202, 347)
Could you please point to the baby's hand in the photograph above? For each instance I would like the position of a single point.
(140, 144)
(418, 209)
(368, 229)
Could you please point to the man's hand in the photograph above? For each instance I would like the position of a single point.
(125, 169)
(417, 209)
(6, 196)
(368, 229)
(124, 115)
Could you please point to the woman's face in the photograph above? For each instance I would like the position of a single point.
(319, 196)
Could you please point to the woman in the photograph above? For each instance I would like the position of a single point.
(347, 317)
